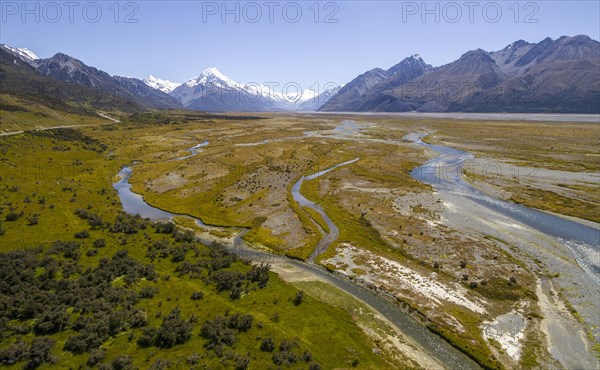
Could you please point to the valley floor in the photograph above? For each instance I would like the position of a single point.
(505, 295)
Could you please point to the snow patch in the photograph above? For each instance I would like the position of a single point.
(160, 84)
(24, 53)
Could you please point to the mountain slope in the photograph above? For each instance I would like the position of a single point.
(508, 57)
(367, 91)
(21, 80)
(466, 80)
(145, 94)
(408, 69)
(65, 68)
(355, 91)
(560, 75)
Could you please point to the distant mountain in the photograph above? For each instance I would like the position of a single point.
(353, 93)
(461, 81)
(211, 91)
(24, 54)
(146, 95)
(307, 103)
(508, 57)
(551, 76)
(367, 91)
(214, 91)
(560, 75)
(65, 68)
(19, 78)
(160, 84)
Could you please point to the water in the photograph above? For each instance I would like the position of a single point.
(334, 232)
(444, 173)
(134, 203)
(321, 173)
(193, 150)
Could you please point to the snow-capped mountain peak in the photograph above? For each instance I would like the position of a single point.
(214, 91)
(212, 76)
(160, 84)
(23, 53)
(213, 72)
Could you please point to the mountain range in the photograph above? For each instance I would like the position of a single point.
(560, 75)
(213, 91)
(62, 67)
(65, 68)
(210, 91)
(20, 78)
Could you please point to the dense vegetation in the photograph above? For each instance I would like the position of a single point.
(47, 291)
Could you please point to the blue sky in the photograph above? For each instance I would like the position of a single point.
(327, 42)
